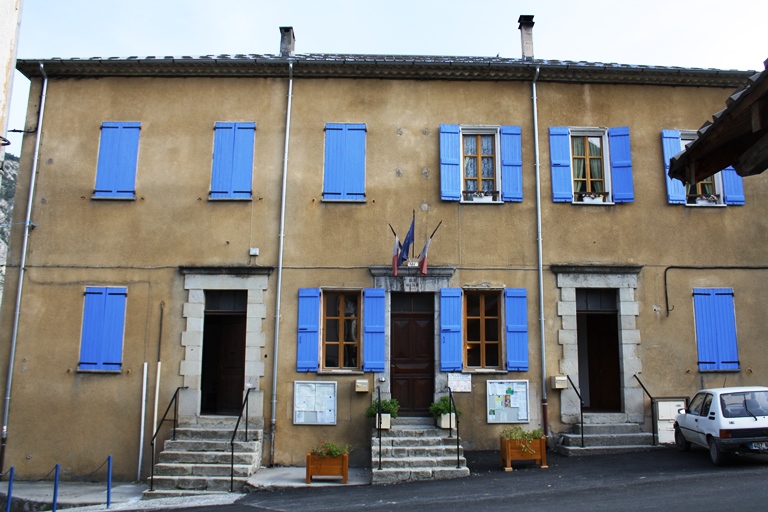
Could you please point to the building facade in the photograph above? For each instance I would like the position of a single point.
(219, 224)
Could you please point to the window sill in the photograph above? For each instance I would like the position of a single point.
(481, 201)
(339, 372)
(711, 205)
(489, 371)
(595, 203)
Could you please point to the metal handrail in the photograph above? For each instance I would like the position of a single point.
(232, 441)
(174, 401)
(581, 408)
(378, 421)
(450, 418)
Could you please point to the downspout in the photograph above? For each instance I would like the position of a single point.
(28, 227)
(540, 267)
(273, 419)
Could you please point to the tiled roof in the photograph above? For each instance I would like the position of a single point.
(325, 65)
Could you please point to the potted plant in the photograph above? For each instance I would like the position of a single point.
(444, 412)
(389, 410)
(328, 459)
(706, 199)
(591, 197)
(518, 444)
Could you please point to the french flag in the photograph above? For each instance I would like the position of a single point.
(395, 256)
(407, 243)
(423, 258)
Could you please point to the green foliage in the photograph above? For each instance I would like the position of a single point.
(523, 437)
(330, 449)
(390, 407)
(443, 406)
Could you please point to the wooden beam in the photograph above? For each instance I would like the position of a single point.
(755, 159)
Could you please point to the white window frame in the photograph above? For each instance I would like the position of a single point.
(686, 137)
(585, 131)
(482, 130)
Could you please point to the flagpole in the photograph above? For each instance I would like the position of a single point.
(413, 221)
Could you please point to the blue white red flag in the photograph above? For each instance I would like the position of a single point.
(423, 258)
(395, 256)
(407, 243)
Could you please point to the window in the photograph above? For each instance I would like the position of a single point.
(715, 329)
(118, 156)
(340, 338)
(101, 345)
(481, 163)
(232, 170)
(471, 323)
(344, 178)
(724, 187)
(591, 165)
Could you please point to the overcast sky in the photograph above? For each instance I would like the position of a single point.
(688, 33)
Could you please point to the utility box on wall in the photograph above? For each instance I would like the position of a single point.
(559, 382)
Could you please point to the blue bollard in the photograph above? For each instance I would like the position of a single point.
(10, 490)
(56, 487)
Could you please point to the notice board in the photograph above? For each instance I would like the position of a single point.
(507, 401)
(314, 403)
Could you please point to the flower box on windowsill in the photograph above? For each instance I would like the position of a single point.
(706, 201)
(591, 198)
(490, 196)
(327, 466)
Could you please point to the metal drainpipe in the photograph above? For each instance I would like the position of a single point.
(544, 414)
(273, 419)
(22, 265)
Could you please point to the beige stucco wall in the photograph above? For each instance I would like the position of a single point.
(140, 244)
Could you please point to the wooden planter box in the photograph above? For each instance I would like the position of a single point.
(511, 450)
(328, 466)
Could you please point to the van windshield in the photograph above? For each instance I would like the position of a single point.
(744, 404)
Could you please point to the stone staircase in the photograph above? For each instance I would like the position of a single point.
(415, 449)
(604, 439)
(198, 461)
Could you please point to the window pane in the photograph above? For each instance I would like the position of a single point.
(470, 145)
(594, 146)
(470, 167)
(492, 304)
(350, 305)
(350, 356)
(491, 329)
(473, 329)
(491, 354)
(473, 304)
(488, 185)
(350, 330)
(332, 304)
(332, 330)
(596, 169)
(473, 354)
(578, 146)
(331, 356)
(578, 169)
(487, 142)
(488, 171)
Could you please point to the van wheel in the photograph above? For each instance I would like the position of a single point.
(717, 457)
(680, 441)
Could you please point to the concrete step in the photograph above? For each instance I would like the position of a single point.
(413, 441)
(414, 431)
(613, 428)
(206, 457)
(170, 469)
(415, 451)
(395, 475)
(215, 434)
(201, 445)
(197, 483)
(571, 451)
(419, 462)
(177, 493)
(634, 439)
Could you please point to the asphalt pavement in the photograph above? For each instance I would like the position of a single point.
(488, 486)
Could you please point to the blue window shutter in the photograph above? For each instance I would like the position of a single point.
(309, 330)
(516, 309)
(621, 165)
(344, 171)
(733, 186)
(511, 164)
(670, 144)
(451, 320)
(560, 159)
(232, 172)
(101, 346)
(715, 329)
(118, 156)
(373, 330)
(450, 162)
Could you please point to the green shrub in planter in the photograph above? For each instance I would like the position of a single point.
(390, 407)
(442, 406)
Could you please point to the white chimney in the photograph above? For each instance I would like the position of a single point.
(287, 41)
(526, 35)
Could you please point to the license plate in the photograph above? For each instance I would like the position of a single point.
(758, 446)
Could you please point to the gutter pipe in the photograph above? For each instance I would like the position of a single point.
(540, 267)
(22, 267)
(273, 418)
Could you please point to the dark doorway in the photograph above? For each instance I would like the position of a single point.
(412, 356)
(597, 321)
(223, 373)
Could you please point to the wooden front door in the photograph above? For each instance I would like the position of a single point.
(412, 348)
(223, 371)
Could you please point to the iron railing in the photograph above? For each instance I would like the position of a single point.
(174, 402)
(378, 422)
(581, 408)
(450, 431)
(232, 441)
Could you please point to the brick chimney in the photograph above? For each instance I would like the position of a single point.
(287, 41)
(526, 35)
